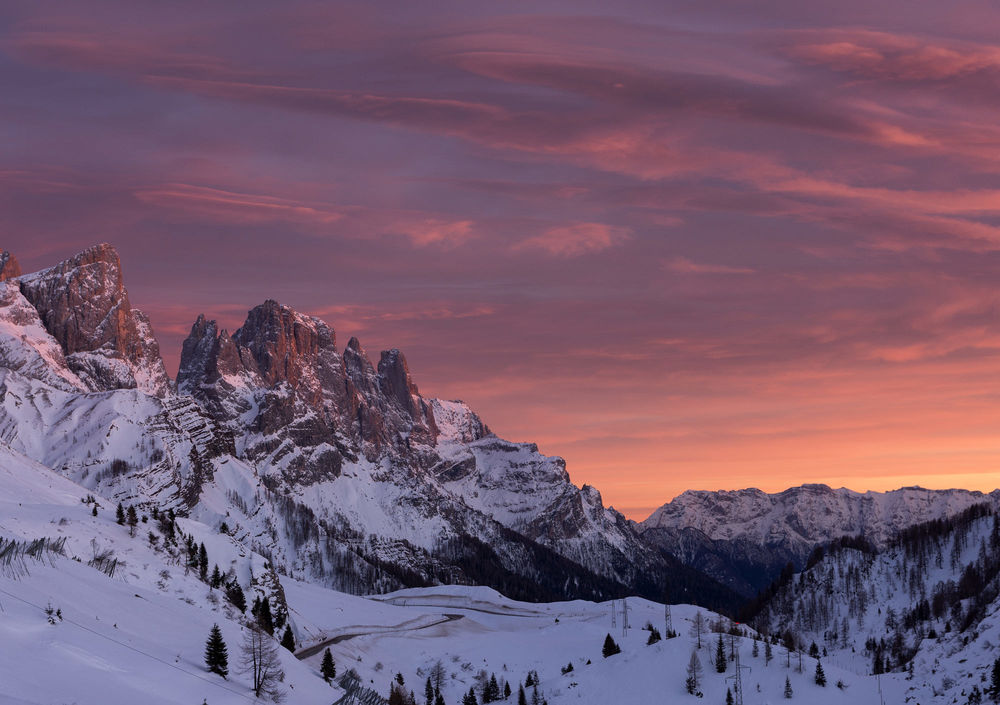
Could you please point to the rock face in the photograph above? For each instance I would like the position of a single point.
(84, 306)
(9, 268)
(744, 537)
(299, 405)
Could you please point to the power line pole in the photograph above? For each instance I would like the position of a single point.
(737, 679)
(625, 624)
(668, 620)
(614, 611)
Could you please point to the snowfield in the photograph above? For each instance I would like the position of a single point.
(139, 636)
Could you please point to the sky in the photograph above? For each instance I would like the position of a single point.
(683, 245)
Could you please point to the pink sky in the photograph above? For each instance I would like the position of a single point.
(683, 245)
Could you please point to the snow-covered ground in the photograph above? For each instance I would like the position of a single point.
(139, 636)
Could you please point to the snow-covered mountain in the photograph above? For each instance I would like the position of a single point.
(745, 537)
(337, 469)
(924, 608)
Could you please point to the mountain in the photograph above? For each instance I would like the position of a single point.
(744, 538)
(923, 605)
(335, 468)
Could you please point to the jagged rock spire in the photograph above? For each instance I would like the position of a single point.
(84, 305)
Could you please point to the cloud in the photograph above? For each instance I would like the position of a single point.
(231, 207)
(889, 56)
(682, 265)
(576, 239)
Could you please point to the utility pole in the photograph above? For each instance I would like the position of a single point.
(614, 611)
(625, 624)
(737, 679)
(669, 622)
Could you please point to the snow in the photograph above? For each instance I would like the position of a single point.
(138, 637)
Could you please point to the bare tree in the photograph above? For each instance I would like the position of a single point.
(438, 675)
(694, 671)
(698, 627)
(259, 659)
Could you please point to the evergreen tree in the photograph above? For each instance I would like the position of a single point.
(654, 636)
(262, 613)
(610, 647)
(768, 652)
(788, 689)
(820, 676)
(506, 690)
(93, 512)
(429, 692)
(470, 698)
(521, 699)
(328, 668)
(493, 689)
(439, 699)
(720, 656)
(203, 562)
(234, 593)
(995, 680)
(216, 579)
(216, 653)
(756, 649)
(120, 514)
(288, 639)
(131, 518)
(729, 696)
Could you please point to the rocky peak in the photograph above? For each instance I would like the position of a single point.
(9, 268)
(83, 304)
(285, 346)
(395, 379)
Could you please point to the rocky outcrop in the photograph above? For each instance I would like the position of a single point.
(306, 405)
(83, 304)
(9, 268)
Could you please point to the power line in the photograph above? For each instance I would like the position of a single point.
(138, 651)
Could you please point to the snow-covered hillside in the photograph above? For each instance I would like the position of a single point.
(138, 636)
(924, 609)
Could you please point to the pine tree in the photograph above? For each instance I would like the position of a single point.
(470, 698)
(720, 656)
(610, 647)
(131, 518)
(521, 699)
(995, 680)
(788, 689)
(756, 649)
(203, 563)
(429, 692)
(328, 669)
(288, 639)
(768, 652)
(120, 514)
(506, 690)
(729, 696)
(216, 653)
(93, 512)
(820, 676)
(262, 612)
(439, 699)
(216, 579)
(234, 593)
